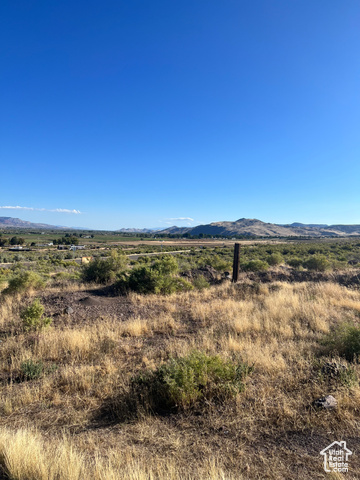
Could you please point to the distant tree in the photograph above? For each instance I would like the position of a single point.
(17, 241)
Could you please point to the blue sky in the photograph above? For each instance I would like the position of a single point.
(149, 113)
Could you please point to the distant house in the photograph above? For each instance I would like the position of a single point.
(77, 247)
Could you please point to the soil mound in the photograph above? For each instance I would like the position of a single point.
(90, 301)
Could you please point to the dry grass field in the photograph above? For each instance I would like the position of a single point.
(70, 421)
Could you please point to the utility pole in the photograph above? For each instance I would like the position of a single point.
(235, 275)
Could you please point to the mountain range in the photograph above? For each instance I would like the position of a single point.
(254, 227)
(243, 226)
(10, 222)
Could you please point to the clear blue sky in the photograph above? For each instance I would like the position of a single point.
(139, 113)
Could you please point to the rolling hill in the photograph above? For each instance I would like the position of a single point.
(254, 227)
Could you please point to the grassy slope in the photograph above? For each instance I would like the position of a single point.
(59, 425)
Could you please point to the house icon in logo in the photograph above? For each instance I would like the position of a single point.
(336, 457)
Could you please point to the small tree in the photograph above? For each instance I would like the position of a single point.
(32, 316)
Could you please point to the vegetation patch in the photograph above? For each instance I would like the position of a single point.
(255, 266)
(344, 340)
(159, 277)
(104, 270)
(33, 317)
(24, 281)
(190, 381)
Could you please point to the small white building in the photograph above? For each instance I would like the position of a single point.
(77, 247)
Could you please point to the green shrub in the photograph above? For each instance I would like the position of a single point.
(344, 340)
(166, 265)
(295, 262)
(200, 283)
(144, 280)
(33, 318)
(150, 280)
(348, 377)
(169, 285)
(23, 281)
(98, 271)
(275, 259)
(31, 370)
(157, 278)
(219, 263)
(104, 271)
(185, 382)
(318, 263)
(255, 266)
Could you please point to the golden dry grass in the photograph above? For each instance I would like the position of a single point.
(55, 427)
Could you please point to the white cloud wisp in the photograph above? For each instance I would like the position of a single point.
(56, 210)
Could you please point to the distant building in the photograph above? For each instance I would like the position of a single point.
(77, 247)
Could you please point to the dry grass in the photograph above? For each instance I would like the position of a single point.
(55, 427)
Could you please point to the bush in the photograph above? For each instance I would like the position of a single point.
(166, 265)
(24, 281)
(295, 262)
(185, 382)
(98, 271)
(31, 370)
(318, 263)
(255, 266)
(275, 259)
(344, 340)
(104, 271)
(157, 278)
(149, 280)
(200, 283)
(32, 316)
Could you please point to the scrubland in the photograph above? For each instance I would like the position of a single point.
(68, 411)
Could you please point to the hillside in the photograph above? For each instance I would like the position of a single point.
(254, 227)
(10, 222)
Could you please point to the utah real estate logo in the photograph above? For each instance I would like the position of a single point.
(336, 457)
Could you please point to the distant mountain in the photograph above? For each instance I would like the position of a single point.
(243, 226)
(10, 222)
(257, 228)
(138, 230)
(316, 225)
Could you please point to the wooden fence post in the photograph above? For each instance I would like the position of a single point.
(236, 263)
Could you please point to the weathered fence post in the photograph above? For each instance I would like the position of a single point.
(236, 263)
